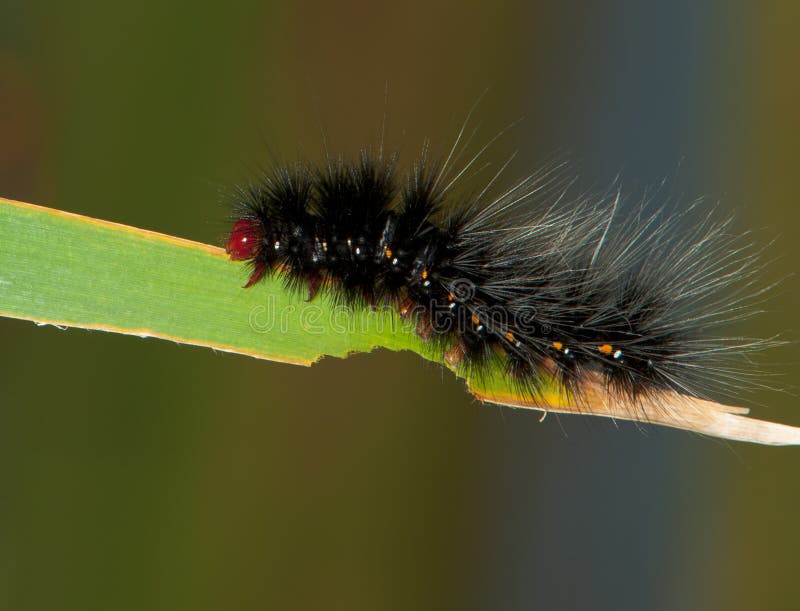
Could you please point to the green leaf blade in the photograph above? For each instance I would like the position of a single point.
(69, 270)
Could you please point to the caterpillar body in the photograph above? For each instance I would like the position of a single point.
(551, 289)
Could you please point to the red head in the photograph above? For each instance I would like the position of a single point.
(245, 240)
(244, 244)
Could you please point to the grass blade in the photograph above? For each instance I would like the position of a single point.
(69, 270)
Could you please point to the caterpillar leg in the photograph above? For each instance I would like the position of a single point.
(259, 270)
(314, 282)
(455, 355)
(424, 328)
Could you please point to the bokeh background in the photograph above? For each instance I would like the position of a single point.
(139, 474)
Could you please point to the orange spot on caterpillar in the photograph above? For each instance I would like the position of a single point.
(475, 319)
(558, 345)
(605, 349)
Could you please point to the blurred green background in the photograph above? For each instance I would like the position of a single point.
(138, 474)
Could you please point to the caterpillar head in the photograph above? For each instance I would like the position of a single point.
(245, 243)
(245, 240)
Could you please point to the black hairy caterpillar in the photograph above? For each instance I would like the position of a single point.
(555, 290)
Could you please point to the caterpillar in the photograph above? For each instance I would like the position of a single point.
(546, 287)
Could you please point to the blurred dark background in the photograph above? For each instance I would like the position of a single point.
(139, 474)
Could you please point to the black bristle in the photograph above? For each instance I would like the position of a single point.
(569, 291)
